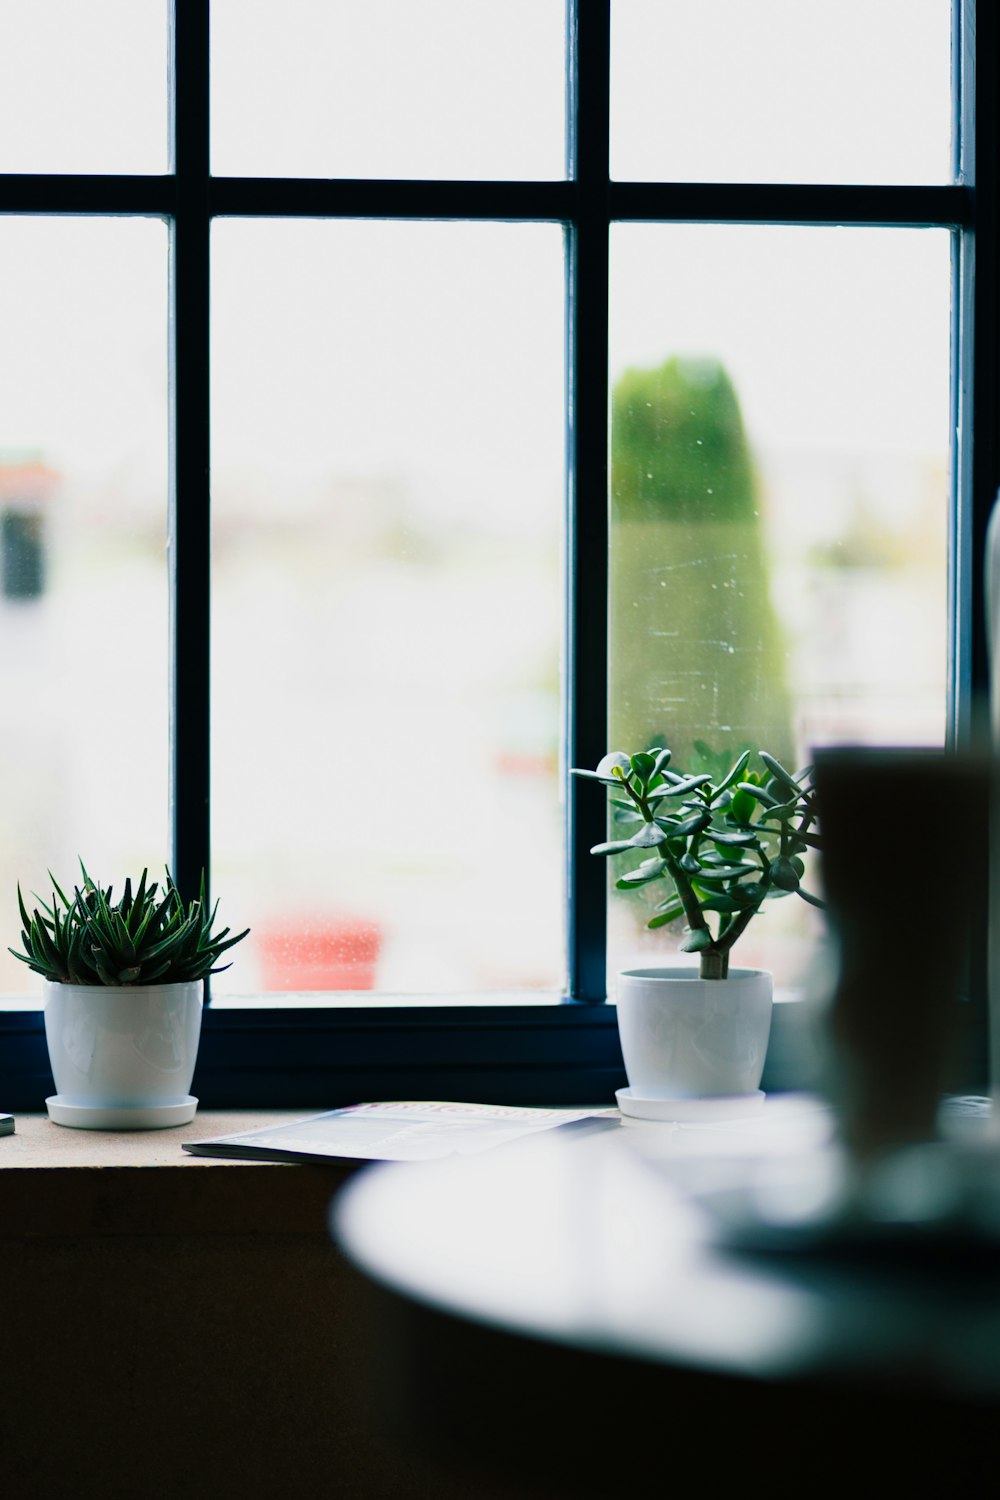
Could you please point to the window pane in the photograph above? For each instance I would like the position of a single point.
(780, 418)
(83, 587)
(83, 88)
(781, 91)
(389, 88)
(387, 500)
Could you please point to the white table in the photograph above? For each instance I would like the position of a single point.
(562, 1309)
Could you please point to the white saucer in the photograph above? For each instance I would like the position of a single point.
(107, 1117)
(719, 1107)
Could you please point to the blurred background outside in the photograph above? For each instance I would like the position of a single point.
(388, 472)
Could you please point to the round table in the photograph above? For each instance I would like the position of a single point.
(562, 1313)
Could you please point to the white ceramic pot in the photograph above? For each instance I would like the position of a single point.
(686, 1038)
(123, 1058)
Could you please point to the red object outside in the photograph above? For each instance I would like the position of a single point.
(337, 955)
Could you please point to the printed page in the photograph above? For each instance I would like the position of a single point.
(400, 1130)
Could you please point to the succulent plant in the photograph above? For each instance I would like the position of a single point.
(723, 847)
(148, 936)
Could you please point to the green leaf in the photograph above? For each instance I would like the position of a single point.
(678, 788)
(734, 773)
(139, 907)
(784, 874)
(218, 947)
(781, 813)
(649, 835)
(174, 939)
(667, 915)
(627, 816)
(709, 874)
(813, 900)
(650, 869)
(732, 840)
(55, 886)
(697, 940)
(721, 902)
(614, 846)
(614, 767)
(122, 935)
(661, 762)
(750, 893)
(43, 946)
(779, 773)
(742, 807)
(25, 919)
(694, 824)
(758, 793)
(150, 976)
(643, 765)
(25, 960)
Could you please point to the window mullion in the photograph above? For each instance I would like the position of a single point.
(976, 461)
(189, 536)
(975, 450)
(587, 548)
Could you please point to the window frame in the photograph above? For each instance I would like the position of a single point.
(563, 1049)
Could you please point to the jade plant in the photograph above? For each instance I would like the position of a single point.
(147, 936)
(722, 848)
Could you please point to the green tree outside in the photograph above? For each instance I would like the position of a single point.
(696, 652)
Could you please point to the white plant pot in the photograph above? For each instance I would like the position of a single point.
(123, 1058)
(692, 1046)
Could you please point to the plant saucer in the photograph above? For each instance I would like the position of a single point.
(111, 1117)
(715, 1107)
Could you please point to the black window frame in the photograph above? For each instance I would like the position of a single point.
(566, 1049)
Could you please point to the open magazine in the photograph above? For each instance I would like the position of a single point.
(399, 1130)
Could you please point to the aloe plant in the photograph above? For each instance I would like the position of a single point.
(147, 936)
(722, 847)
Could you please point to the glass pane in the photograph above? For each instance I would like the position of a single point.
(83, 88)
(83, 585)
(781, 91)
(443, 88)
(780, 427)
(388, 493)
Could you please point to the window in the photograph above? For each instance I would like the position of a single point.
(343, 196)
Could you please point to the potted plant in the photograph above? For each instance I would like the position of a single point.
(124, 982)
(720, 849)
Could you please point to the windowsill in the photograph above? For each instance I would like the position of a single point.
(99, 1183)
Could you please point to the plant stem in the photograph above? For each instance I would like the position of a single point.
(692, 907)
(739, 926)
(714, 963)
(682, 885)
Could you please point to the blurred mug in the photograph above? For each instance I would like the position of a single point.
(905, 856)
